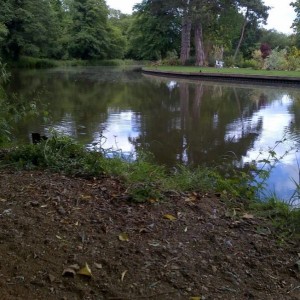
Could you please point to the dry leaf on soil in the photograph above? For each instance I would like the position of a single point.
(123, 237)
(85, 271)
(169, 217)
(248, 216)
(98, 266)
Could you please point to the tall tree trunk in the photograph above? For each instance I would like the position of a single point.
(241, 37)
(200, 56)
(185, 39)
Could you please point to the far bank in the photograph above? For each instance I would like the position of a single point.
(225, 74)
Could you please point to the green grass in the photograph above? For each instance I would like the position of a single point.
(27, 62)
(236, 71)
(284, 217)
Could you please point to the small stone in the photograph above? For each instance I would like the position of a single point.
(69, 272)
(51, 278)
(61, 210)
(34, 203)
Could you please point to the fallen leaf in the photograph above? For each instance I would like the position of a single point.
(248, 216)
(123, 237)
(59, 237)
(153, 200)
(191, 197)
(170, 217)
(85, 197)
(123, 275)
(85, 271)
(51, 278)
(98, 266)
(195, 298)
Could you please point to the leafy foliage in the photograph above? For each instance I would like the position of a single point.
(89, 29)
(59, 154)
(153, 34)
(265, 50)
(277, 60)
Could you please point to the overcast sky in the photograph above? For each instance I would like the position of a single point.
(280, 18)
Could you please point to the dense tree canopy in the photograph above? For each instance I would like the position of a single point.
(153, 33)
(59, 29)
(296, 24)
(197, 31)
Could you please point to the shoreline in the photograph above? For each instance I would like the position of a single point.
(245, 78)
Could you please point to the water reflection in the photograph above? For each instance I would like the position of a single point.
(191, 122)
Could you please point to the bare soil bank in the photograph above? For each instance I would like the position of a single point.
(187, 246)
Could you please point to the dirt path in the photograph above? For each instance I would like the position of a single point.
(188, 246)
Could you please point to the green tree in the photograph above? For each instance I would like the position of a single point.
(255, 12)
(153, 33)
(225, 29)
(119, 24)
(60, 34)
(296, 23)
(275, 39)
(29, 26)
(89, 30)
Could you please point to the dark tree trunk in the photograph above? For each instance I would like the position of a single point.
(200, 56)
(185, 39)
(241, 37)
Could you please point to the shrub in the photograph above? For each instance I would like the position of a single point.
(265, 50)
(59, 154)
(231, 62)
(250, 63)
(293, 59)
(171, 59)
(258, 61)
(277, 60)
(191, 61)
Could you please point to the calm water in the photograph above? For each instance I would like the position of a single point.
(178, 120)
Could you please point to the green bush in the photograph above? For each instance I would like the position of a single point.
(231, 62)
(191, 61)
(171, 59)
(277, 60)
(251, 64)
(59, 154)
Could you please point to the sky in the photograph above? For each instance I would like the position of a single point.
(281, 15)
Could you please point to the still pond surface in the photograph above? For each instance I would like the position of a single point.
(178, 120)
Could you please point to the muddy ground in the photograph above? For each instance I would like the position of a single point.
(190, 246)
